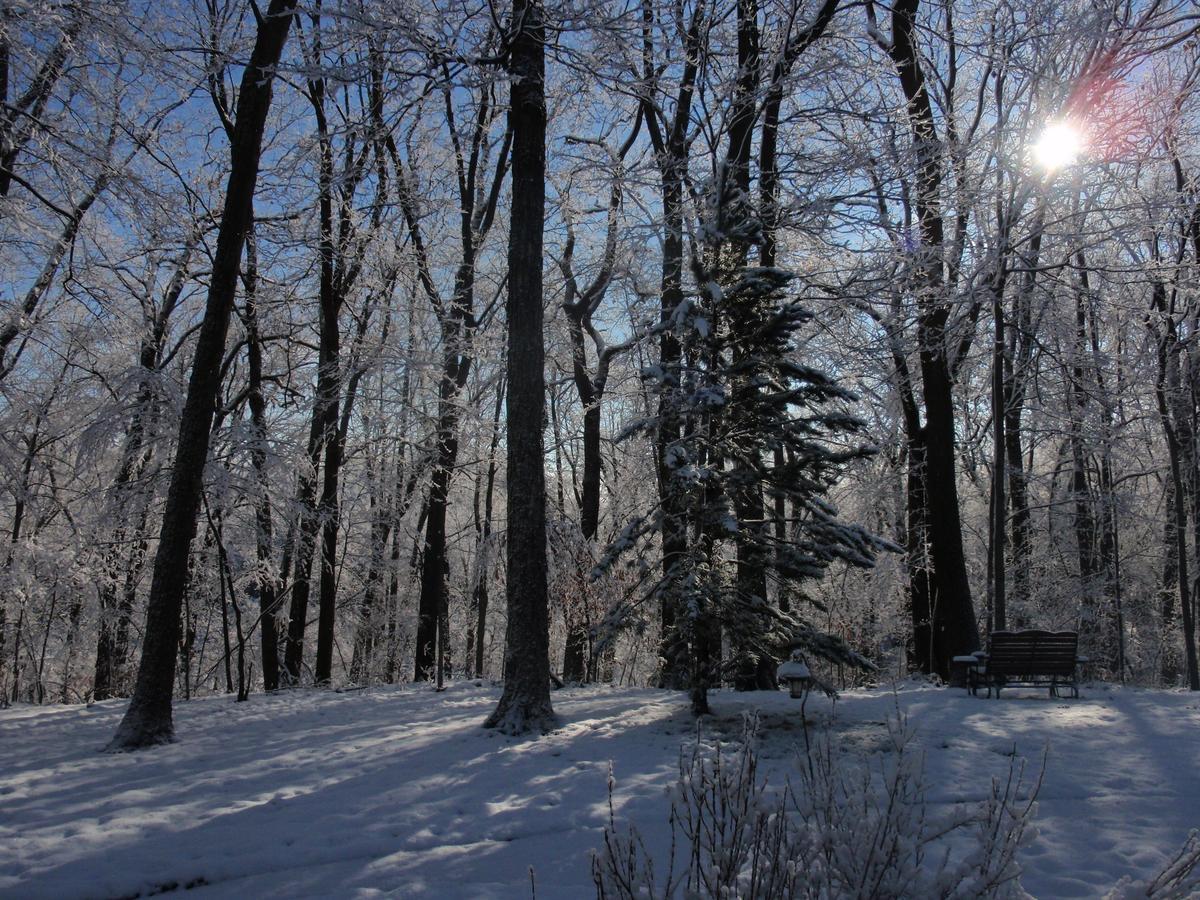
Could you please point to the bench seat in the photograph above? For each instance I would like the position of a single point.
(1028, 659)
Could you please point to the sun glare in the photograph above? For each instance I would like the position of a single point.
(1058, 147)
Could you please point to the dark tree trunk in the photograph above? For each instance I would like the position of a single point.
(999, 531)
(755, 671)
(576, 651)
(1179, 514)
(952, 618)
(484, 538)
(148, 720)
(364, 636)
(329, 384)
(951, 614)
(1167, 590)
(671, 148)
(458, 324)
(299, 557)
(456, 363)
(1018, 364)
(327, 603)
(433, 559)
(266, 582)
(525, 703)
(1083, 519)
(1168, 350)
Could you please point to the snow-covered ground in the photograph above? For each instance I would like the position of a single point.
(400, 792)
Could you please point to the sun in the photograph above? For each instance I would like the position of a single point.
(1058, 147)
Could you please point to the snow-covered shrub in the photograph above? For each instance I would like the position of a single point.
(1179, 879)
(836, 830)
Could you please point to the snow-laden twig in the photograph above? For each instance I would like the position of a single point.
(836, 830)
(1178, 880)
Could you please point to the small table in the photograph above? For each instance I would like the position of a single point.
(964, 670)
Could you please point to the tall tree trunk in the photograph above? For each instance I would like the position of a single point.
(1018, 361)
(576, 651)
(671, 148)
(298, 555)
(1167, 590)
(319, 516)
(1179, 513)
(148, 720)
(433, 558)
(1083, 520)
(266, 582)
(458, 324)
(329, 378)
(754, 671)
(952, 615)
(364, 635)
(1168, 350)
(484, 530)
(327, 602)
(525, 703)
(999, 530)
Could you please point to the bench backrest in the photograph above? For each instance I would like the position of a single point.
(1033, 652)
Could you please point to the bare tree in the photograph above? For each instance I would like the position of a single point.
(148, 719)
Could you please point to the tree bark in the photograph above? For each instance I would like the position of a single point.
(1018, 361)
(148, 720)
(670, 143)
(479, 600)
(953, 629)
(525, 703)
(267, 583)
(1083, 518)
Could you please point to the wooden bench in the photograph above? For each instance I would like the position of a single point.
(1029, 659)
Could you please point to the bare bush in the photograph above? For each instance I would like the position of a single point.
(1178, 880)
(835, 830)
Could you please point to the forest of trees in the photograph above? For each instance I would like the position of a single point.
(347, 342)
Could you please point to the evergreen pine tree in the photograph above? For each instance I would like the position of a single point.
(743, 394)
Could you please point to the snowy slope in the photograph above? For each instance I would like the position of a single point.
(399, 792)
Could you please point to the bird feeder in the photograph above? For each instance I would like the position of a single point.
(795, 672)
